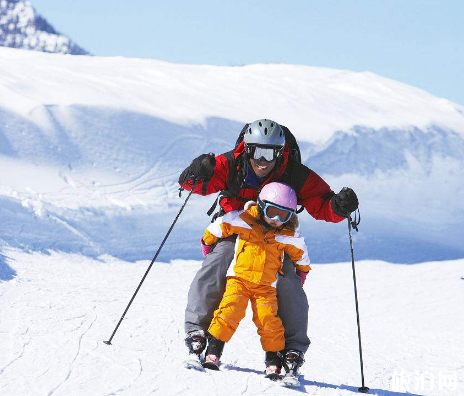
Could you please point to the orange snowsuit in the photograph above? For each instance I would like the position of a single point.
(252, 275)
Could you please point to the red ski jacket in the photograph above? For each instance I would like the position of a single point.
(312, 191)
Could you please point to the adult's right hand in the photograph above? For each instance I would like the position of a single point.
(201, 168)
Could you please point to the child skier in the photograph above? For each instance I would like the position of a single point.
(264, 233)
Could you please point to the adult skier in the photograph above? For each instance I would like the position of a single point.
(262, 157)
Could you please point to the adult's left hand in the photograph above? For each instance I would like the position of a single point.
(345, 202)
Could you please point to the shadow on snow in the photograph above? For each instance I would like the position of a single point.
(6, 272)
(354, 389)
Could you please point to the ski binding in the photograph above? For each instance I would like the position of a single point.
(289, 380)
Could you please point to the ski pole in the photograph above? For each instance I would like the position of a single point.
(363, 388)
(152, 261)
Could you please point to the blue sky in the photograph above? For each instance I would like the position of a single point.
(419, 42)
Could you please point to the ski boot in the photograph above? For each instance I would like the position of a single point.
(196, 343)
(213, 353)
(273, 366)
(292, 361)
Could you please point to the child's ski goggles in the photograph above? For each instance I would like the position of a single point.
(268, 153)
(276, 212)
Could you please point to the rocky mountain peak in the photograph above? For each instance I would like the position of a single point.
(22, 27)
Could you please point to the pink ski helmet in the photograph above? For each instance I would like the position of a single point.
(280, 194)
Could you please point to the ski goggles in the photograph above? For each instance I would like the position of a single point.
(268, 153)
(276, 212)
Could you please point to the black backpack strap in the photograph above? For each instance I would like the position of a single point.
(295, 175)
(241, 135)
(232, 185)
(214, 205)
(290, 140)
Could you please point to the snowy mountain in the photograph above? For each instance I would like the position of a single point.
(90, 152)
(91, 149)
(22, 27)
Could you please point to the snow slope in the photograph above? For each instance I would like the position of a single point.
(91, 148)
(60, 307)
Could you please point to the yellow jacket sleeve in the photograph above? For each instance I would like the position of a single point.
(222, 227)
(209, 239)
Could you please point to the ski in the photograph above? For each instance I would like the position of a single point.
(290, 380)
(273, 377)
(193, 363)
(211, 366)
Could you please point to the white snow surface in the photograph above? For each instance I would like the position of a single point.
(91, 149)
(60, 307)
(90, 152)
(313, 102)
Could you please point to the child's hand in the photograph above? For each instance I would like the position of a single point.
(302, 275)
(205, 249)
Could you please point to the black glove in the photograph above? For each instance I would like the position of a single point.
(344, 202)
(201, 168)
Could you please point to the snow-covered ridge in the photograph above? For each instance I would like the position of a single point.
(314, 102)
(91, 149)
(22, 27)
